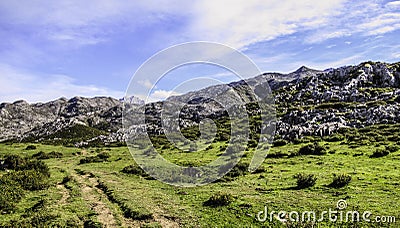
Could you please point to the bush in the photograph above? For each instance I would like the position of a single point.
(379, 153)
(29, 179)
(14, 161)
(104, 155)
(101, 157)
(219, 199)
(392, 148)
(239, 169)
(152, 225)
(30, 147)
(36, 165)
(305, 180)
(28, 175)
(91, 224)
(10, 193)
(280, 142)
(42, 155)
(66, 179)
(252, 143)
(334, 138)
(39, 219)
(133, 169)
(340, 180)
(312, 149)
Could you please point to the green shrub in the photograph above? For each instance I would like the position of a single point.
(305, 180)
(280, 142)
(152, 225)
(36, 165)
(92, 224)
(30, 147)
(340, 180)
(133, 169)
(38, 219)
(28, 175)
(392, 148)
(66, 179)
(334, 138)
(239, 169)
(14, 161)
(222, 147)
(29, 179)
(101, 157)
(42, 155)
(252, 143)
(104, 155)
(379, 153)
(219, 199)
(40, 205)
(10, 193)
(312, 149)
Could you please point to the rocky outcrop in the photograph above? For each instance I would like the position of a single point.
(20, 120)
(308, 103)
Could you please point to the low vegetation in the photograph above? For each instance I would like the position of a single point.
(219, 199)
(312, 149)
(101, 157)
(305, 180)
(49, 185)
(340, 180)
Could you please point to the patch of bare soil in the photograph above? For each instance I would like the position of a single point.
(89, 192)
(64, 192)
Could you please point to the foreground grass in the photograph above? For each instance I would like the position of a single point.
(98, 193)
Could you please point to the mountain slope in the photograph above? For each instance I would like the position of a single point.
(308, 102)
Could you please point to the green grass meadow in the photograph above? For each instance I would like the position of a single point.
(98, 194)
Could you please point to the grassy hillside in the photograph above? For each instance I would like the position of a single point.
(96, 187)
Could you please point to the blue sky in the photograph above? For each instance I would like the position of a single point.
(52, 49)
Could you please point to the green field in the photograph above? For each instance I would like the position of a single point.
(87, 187)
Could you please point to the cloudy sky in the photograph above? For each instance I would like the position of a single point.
(51, 49)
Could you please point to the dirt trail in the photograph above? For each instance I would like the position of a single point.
(165, 222)
(106, 216)
(96, 201)
(64, 192)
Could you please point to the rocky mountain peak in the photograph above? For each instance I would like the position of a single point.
(303, 69)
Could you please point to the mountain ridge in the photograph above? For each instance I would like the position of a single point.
(308, 102)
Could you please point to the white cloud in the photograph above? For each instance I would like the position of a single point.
(383, 23)
(16, 85)
(394, 4)
(396, 55)
(84, 23)
(159, 95)
(359, 18)
(322, 36)
(146, 83)
(239, 24)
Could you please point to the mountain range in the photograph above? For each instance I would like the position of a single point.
(308, 102)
